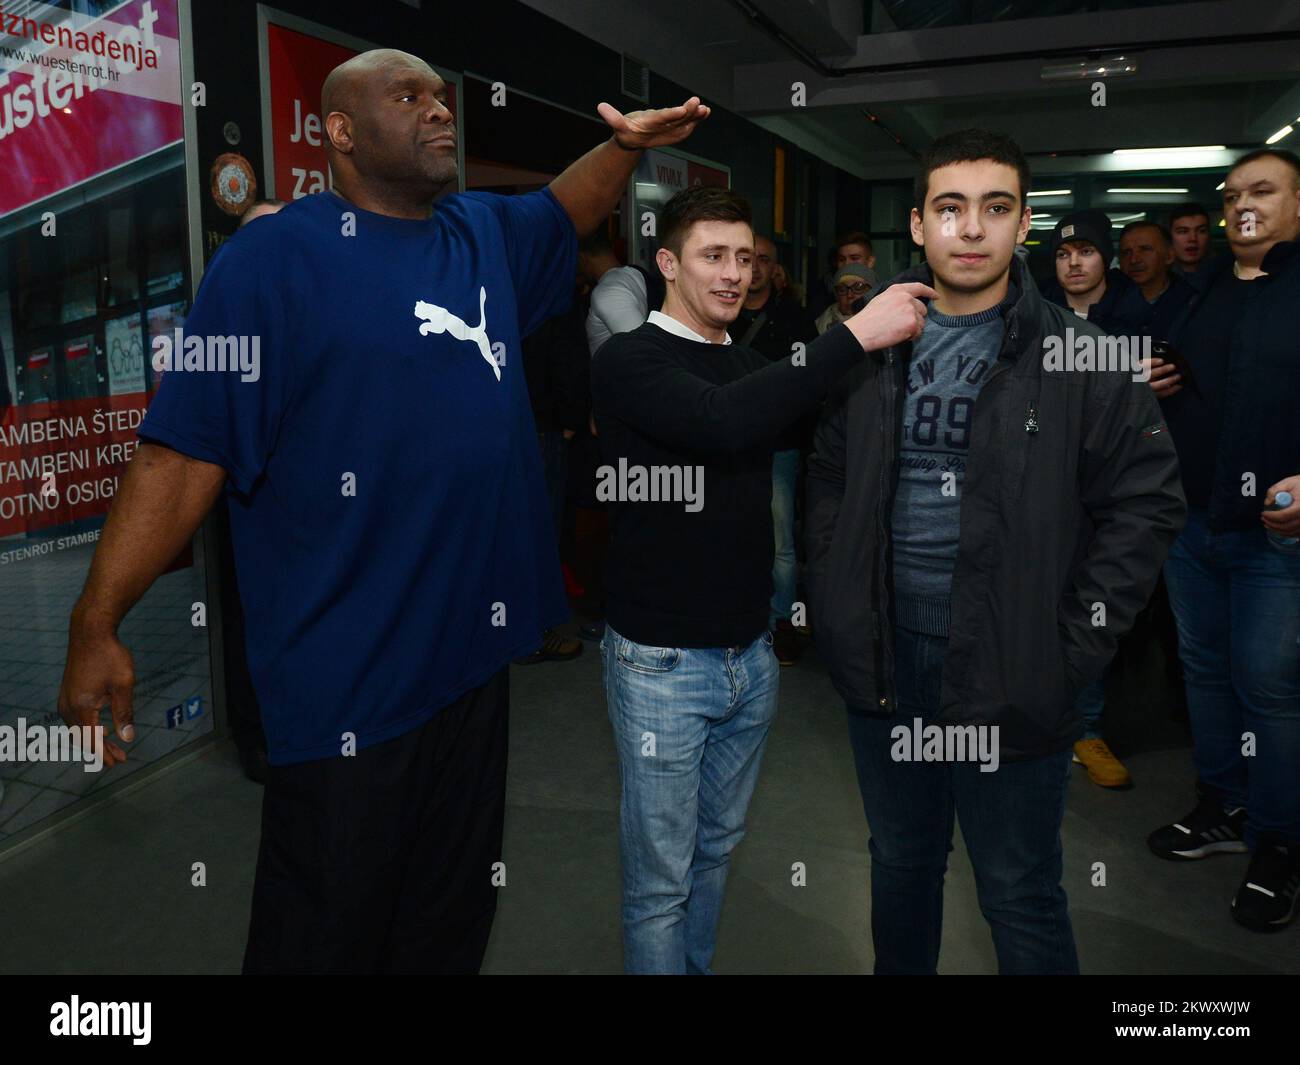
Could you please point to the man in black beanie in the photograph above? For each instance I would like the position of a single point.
(1085, 281)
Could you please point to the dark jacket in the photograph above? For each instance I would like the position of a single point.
(1071, 498)
(1134, 316)
(1108, 313)
(1260, 428)
(1124, 311)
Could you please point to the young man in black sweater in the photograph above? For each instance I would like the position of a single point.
(688, 423)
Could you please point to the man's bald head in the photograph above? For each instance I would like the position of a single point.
(389, 133)
(345, 82)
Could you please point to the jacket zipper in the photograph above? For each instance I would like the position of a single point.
(884, 506)
(1000, 367)
(883, 516)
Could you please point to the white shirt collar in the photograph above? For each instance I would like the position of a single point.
(672, 325)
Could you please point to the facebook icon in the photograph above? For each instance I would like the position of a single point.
(173, 715)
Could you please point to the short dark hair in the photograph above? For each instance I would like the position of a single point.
(967, 146)
(855, 236)
(1188, 210)
(700, 203)
(1141, 223)
(1286, 155)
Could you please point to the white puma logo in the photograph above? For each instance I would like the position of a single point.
(440, 320)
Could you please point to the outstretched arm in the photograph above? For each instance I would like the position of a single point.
(590, 188)
(665, 401)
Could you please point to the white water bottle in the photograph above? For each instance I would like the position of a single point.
(1287, 544)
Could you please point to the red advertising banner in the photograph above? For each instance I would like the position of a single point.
(62, 461)
(297, 64)
(81, 95)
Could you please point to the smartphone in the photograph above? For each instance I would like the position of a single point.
(1162, 349)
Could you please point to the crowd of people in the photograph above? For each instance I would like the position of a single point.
(1230, 573)
(979, 528)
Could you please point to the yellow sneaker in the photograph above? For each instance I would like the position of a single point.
(1103, 767)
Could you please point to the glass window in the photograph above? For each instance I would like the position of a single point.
(121, 275)
(88, 265)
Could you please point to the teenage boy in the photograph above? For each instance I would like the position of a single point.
(1084, 281)
(983, 527)
(690, 674)
(1189, 226)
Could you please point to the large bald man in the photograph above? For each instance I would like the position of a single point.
(391, 534)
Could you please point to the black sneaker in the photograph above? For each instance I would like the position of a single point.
(1266, 900)
(1208, 829)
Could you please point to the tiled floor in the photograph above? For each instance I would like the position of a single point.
(171, 663)
(559, 910)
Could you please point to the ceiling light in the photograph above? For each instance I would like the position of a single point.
(1219, 186)
(1160, 191)
(1279, 134)
(1165, 151)
(1108, 67)
(1051, 192)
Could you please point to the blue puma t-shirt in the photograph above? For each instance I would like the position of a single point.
(392, 536)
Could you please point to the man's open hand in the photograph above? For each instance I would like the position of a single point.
(98, 671)
(650, 129)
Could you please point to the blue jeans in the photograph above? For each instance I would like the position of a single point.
(785, 567)
(1010, 819)
(1091, 702)
(690, 724)
(1237, 604)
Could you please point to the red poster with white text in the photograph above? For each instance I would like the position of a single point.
(81, 95)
